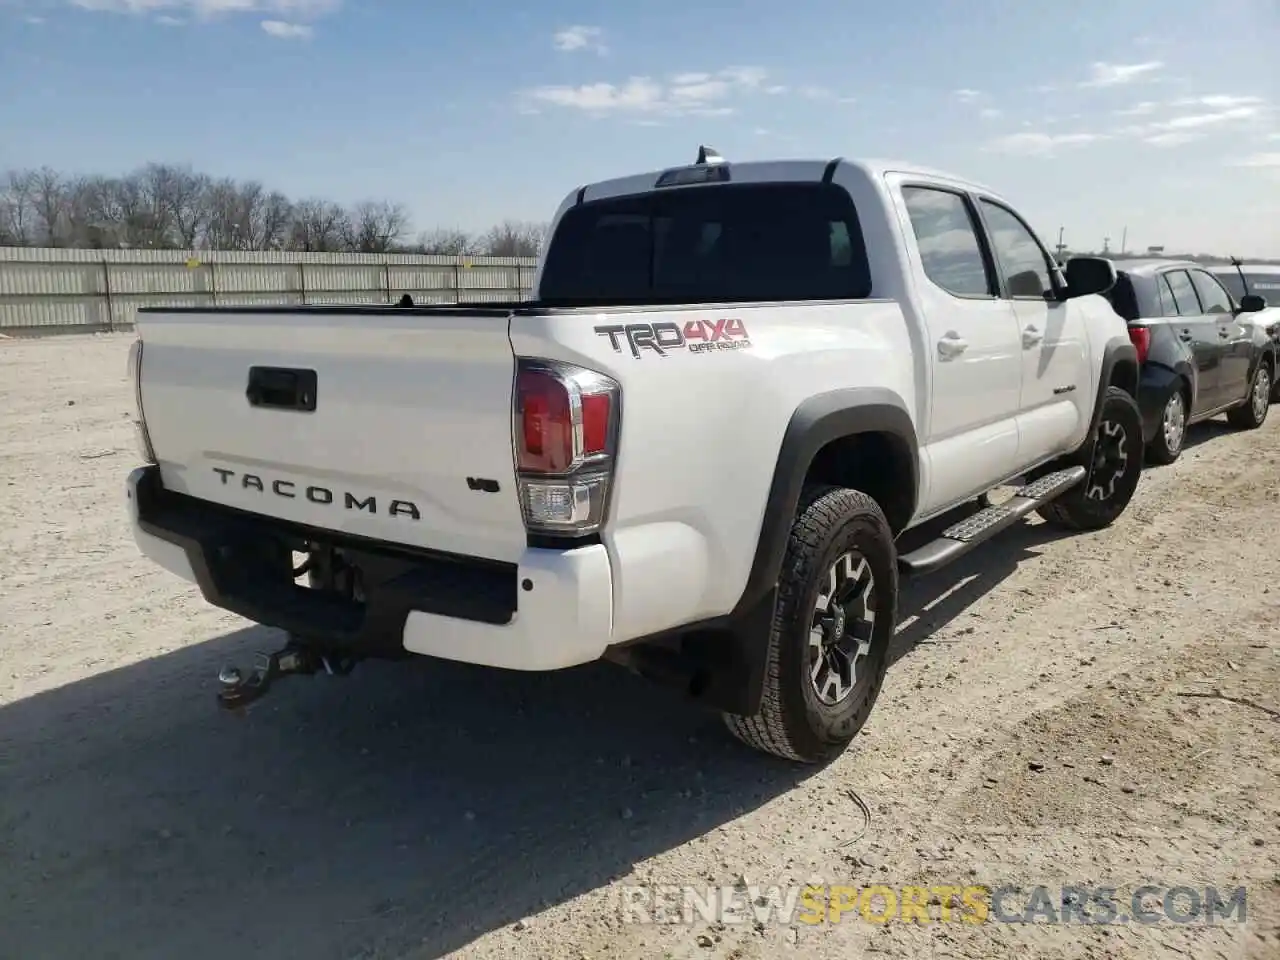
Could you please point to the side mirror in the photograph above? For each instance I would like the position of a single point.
(1089, 275)
(1252, 303)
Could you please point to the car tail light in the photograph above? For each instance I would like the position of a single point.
(1141, 338)
(142, 438)
(564, 430)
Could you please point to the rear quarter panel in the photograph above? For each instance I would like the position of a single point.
(701, 433)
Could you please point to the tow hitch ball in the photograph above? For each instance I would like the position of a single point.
(239, 691)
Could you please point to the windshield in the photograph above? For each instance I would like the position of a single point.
(710, 244)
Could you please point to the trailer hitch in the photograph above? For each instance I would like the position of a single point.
(239, 690)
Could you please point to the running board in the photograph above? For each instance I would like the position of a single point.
(959, 538)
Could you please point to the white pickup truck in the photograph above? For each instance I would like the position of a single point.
(552, 482)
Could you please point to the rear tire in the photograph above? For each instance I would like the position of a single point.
(829, 641)
(1251, 414)
(1114, 464)
(1170, 437)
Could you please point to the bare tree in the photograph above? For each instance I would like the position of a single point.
(514, 238)
(376, 226)
(318, 225)
(167, 206)
(179, 196)
(446, 242)
(49, 202)
(246, 216)
(17, 208)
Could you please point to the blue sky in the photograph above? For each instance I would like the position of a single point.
(1094, 116)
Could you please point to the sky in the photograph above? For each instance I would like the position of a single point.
(1152, 121)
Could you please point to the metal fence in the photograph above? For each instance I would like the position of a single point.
(47, 290)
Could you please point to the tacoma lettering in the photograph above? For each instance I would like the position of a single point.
(314, 493)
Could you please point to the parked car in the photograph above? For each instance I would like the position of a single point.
(692, 453)
(1262, 279)
(1200, 354)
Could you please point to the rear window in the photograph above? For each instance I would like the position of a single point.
(1122, 297)
(710, 244)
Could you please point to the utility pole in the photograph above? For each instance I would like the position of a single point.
(1061, 245)
(1124, 240)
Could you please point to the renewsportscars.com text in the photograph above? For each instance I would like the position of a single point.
(941, 903)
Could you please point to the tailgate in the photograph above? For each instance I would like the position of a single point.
(408, 441)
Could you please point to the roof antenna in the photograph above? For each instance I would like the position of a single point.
(709, 155)
(1244, 284)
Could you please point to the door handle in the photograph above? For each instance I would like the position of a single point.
(951, 345)
(1185, 336)
(1031, 336)
(1224, 334)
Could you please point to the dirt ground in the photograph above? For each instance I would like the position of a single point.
(1035, 729)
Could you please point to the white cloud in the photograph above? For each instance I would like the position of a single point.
(579, 37)
(295, 10)
(33, 20)
(686, 94)
(990, 113)
(1192, 121)
(1220, 101)
(168, 21)
(283, 30)
(1040, 144)
(1138, 109)
(1259, 160)
(1114, 74)
(749, 77)
(1178, 128)
(965, 95)
(1172, 138)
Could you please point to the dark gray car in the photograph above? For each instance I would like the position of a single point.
(1200, 357)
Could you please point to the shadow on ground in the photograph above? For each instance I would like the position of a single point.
(1207, 431)
(409, 807)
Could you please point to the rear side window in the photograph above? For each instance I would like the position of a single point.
(710, 244)
(948, 240)
(1184, 294)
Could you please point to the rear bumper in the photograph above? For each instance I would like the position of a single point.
(551, 609)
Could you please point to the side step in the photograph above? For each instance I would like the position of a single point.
(958, 539)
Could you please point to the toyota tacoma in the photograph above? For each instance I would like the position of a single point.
(692, 451)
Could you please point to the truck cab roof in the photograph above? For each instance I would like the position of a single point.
(761, 171)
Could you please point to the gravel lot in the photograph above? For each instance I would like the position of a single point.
(1034, 730)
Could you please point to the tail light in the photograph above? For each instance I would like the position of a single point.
(141, 437)
(1140, 337)
(565, 434)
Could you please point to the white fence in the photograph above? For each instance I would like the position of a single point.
(45, 290)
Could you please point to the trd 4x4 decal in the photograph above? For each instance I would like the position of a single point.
(697, 336)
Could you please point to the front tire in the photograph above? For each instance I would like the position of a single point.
(1114, 464)
(829, 641)
(1251, 414)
